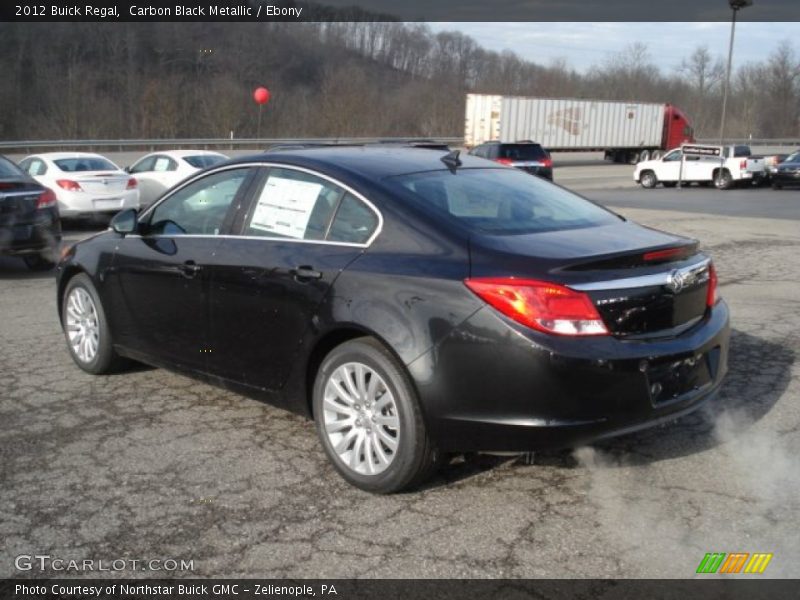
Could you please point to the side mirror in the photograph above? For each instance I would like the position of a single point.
(125, 222)
(127, 169)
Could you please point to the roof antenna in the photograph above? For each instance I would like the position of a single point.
(452, 161)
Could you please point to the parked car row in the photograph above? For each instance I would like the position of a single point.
(46, 188)
(30, 226)
(723, 166)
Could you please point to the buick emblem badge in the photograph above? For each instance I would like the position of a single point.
(676, 281)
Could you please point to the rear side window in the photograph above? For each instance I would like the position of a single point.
(37, 167)
(522, 152)
(355, 222)
(500, 201)
(201, 161)
(8, 169)
(88, 163)
(482, 151)
(165, 163)
(144, 165)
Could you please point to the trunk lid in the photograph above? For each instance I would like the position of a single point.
(101, 183)
(18, 202)
(644, 282)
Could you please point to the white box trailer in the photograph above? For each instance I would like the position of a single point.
(624, 130)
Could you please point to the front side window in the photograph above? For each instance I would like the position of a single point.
(500, 201)
(673, 156)
(200, 207)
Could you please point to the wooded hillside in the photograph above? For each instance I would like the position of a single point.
(142, 80)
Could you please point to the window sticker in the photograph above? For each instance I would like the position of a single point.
(285, 206)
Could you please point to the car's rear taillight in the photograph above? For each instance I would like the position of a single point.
(541, 305)
(69, 185)
(743, 165)
(547, 162)
(711, 294)
(504, 161)
(46, 199)
(132, 184)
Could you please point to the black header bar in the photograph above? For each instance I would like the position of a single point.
(394, 10)
(710, 586)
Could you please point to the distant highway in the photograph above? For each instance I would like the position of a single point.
(579, 171)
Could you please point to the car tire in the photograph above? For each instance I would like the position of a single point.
(723, 180)
(38, 262)
(633, 157)
(369, 419)
(644, 155)
(86, 328)
(648, 179)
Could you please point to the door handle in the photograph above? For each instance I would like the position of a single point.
(306, 272)
(190, 269)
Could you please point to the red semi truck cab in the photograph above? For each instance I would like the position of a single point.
(677, 128)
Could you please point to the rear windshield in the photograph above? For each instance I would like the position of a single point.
(201, 161)
(500, 201)
(522, 152)
(741, 151)
(9, 169)
(75, 165)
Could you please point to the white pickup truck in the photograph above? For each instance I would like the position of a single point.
(729, 166)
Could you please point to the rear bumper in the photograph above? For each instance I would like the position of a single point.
(789, 179)
(543, 172)
(494, 386)
(42, 234)
(80, 204)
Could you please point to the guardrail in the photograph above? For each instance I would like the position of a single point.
(206, 143)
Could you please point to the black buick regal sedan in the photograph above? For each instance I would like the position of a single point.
(413, 303)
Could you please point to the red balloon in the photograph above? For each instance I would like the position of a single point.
(261, 95)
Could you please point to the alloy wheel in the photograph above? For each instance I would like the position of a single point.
(360, 419)
(83, 328)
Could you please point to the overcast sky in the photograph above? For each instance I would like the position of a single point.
(587, 44)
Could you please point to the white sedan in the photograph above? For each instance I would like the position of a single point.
(159, 171)
(85, 184)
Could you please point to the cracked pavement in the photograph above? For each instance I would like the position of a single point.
(148, 464)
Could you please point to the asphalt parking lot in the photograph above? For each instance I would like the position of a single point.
(150, 465)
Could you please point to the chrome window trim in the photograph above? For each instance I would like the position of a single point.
(334, 181)
(242, 237)
(642, 280)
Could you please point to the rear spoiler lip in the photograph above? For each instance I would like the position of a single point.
(694, 270)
